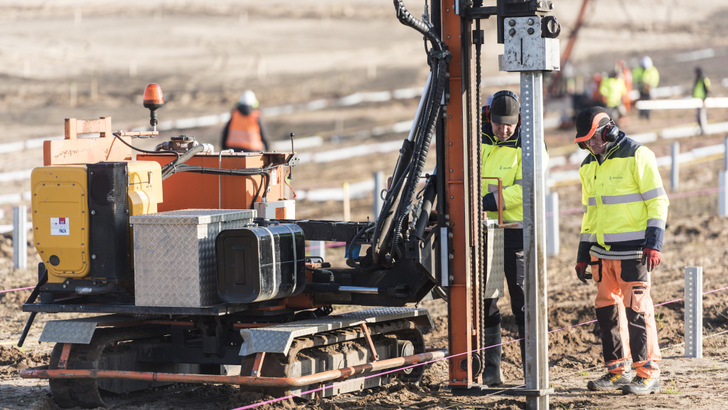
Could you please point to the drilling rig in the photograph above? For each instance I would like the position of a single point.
(189, 265)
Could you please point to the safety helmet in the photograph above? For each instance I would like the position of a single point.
(248, 98)
(588, 121)
(646, 62)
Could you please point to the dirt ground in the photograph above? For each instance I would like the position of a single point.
(83, 59)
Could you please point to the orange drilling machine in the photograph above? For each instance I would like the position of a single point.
(188, 265)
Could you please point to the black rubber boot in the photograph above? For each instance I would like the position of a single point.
(492, 374)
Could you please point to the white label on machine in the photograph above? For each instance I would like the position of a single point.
(60, 226)
(274, 177)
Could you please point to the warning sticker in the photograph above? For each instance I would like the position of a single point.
(60, 226)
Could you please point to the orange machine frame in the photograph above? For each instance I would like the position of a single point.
(463, 184)
(74, 150)
(208, 191)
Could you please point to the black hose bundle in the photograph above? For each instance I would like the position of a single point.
(264, 172)
(404, 17)
(388, 232)
(169, 169)
(423, 148)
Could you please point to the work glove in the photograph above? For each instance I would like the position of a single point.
(581, 272)
(489, 203)
(651, 258)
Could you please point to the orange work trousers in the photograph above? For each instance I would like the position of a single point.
(626, 317)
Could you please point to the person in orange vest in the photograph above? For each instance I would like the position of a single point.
(626, 74)
(244, 131)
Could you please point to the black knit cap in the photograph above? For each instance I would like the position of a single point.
(588, 121)
(504, 109)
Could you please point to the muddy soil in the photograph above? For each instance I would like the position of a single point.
(77, 58)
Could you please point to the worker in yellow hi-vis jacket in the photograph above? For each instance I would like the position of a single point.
(625, 209)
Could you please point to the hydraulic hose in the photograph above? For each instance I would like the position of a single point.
(403, 170)
(428, 199)
(387, 233)
(404, 17)
(403, 162)
(169, 169)
(421, 152)
(229, 171)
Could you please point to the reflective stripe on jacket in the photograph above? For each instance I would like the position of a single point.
(244, 131)
(503, 160)
(624, 202)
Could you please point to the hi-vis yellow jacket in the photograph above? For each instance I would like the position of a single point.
(624, 202)
(503, 160)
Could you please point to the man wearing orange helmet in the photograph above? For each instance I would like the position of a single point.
(625, 209)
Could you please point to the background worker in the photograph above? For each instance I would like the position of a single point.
(244, 131)
(625, 209)
(613, 91)
(501, 157)
(625, 74)
(646, 78)
(701, 88)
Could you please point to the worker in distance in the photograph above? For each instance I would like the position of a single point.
(244, 131)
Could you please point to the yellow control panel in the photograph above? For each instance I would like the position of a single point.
(60, 220)
(60, 210)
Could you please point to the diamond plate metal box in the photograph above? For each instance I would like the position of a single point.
(174, 255)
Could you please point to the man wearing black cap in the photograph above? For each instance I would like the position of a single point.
(501, 157)
(625, 209)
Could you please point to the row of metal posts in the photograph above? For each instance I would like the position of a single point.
(722, 193)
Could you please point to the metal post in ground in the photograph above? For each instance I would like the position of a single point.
(552, 223)
(317, 248)
(378, 186)
(675, 170)
(20, 237)
(534, 237)
(722, 195)
(694, 311)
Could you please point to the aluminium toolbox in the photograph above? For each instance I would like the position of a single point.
(174, 255)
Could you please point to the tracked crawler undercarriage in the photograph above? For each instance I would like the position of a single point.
(301, 358)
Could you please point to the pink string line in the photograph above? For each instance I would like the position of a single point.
(13, 290)
(327, 245)
(250, 406)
